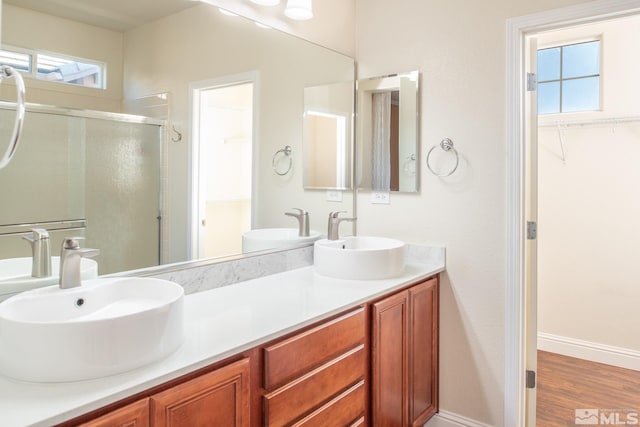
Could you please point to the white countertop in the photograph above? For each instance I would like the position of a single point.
(218, 323)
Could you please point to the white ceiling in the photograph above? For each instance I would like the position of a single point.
(119, 15)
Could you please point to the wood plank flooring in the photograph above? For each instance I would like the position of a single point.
(566, 384)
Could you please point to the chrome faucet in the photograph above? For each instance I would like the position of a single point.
(303, 221)
(70, 257)
(334, 224)
(41, 252)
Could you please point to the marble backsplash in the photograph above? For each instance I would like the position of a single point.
(204, 277)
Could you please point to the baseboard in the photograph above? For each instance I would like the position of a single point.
(449, 419)
(595, 352)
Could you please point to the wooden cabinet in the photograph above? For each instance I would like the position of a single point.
(217, 399)
(133, 415)
(404, 348)
(374, 365)
(318, 375)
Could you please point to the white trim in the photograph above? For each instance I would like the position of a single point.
(601, 353)
(515, 301)
(449, 419)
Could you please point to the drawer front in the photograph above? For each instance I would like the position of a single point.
(344, 410)
(312, 390)
(297, 355)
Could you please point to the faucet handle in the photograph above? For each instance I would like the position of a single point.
(71, 242)
(301, 212)
(336, 214)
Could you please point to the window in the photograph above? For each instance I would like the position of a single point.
(569, 78)
(55, 67)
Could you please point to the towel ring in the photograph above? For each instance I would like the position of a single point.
(7, 72)
(286, 151)
(447, 145)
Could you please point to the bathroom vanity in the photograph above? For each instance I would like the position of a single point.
(292, 348)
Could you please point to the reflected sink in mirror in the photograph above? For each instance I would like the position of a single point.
(261, 239)
(15, 274)
(359, 257)
(104, 327)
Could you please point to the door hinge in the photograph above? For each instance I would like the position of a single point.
(532, 230)
(531, 379)
(532, 82)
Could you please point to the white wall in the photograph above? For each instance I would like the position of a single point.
(164, 57)
(29, 29)
(589, 206)
(459, 48)
(332, 25)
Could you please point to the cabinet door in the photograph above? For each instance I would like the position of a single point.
(134, 415)
(217, 399)
(423, 352)
(404, 358)
(389, 361)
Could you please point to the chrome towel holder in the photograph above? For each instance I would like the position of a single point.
(447, 145)
(286, 152)
(7, 72)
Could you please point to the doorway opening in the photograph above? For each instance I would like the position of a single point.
(588, 143)
(520, 310)
(222, 158)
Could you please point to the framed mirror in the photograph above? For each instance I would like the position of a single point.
(387, 133)
(328, 112)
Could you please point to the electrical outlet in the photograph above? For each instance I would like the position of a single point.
(334, 195)
(380, 198)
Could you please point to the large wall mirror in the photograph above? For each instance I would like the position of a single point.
(167, 64)
(387, 148)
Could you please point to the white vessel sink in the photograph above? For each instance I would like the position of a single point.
(359, 257)
(104, 327)
(15, 274)
(274, 238)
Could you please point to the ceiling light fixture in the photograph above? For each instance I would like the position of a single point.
(300, 10)
(266, 2)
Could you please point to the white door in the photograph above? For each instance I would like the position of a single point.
(531, 212)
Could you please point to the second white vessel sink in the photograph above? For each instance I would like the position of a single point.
(104, 327)
(359, 257)
(261, 239)
(15, 274)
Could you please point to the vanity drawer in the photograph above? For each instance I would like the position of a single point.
(297, 355)
(344, 410)
(315, 388)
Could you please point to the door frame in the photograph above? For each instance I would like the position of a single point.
(194, 148)
(517, 29)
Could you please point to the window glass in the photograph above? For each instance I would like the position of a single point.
(581, 60)
(548, 97)
(68, 71)
(569, 78)
(581, 94)
(51, 67)
(19, 61)
(549, 64)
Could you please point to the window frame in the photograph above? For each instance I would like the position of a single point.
(33, 65)
(562, 79)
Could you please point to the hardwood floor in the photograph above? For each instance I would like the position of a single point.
(566, 384)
